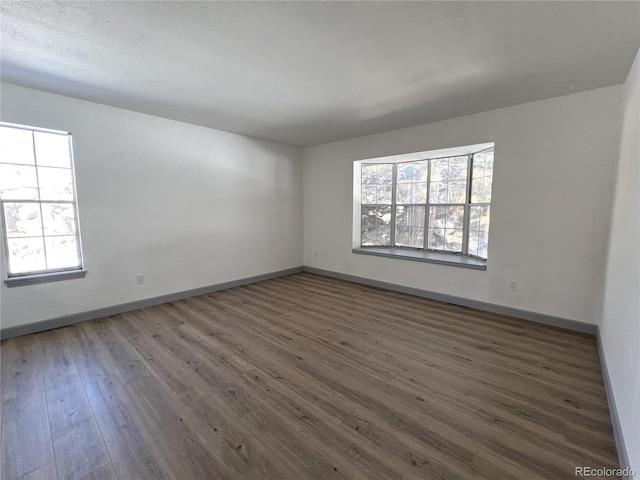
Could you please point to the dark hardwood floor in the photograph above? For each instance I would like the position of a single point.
(303, 377)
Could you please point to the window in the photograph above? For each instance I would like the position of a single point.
(39, 208)
(434, 203)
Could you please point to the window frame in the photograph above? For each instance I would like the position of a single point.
(430, 254)
(49, 274)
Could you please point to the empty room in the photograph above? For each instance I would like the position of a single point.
(319, 240)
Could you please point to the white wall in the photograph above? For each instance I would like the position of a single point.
(185, 205)
(554, 170)
(620, 328)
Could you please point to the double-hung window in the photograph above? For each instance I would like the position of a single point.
(437, 204)
(39, 209)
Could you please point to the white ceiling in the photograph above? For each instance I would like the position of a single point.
(306, 73)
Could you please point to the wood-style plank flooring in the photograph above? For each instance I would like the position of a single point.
(303, 377)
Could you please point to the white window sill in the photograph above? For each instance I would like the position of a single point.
(424, 256)
(44, 278)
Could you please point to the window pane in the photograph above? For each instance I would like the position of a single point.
(478, 242)
(55, 183)
(483, 243)
(410, 226)
(401, 216)
(375, 226)
(453, 240)
(412, 182)
(368, 217)
(448, 240)
(415, 216)
(479, 230)
(368, 236)
(403, 193)
(405, 172)
(454, 217)
(437, 216)
(439, 170)
(18, 182)
(479, 170)
(22, 219)
(16, 146)
(410, 215)
(446, 225)
(484, 161)
(368, 226)
(377, 174)
(58, 219)
(480, 216)
(384, 215)
(457, 168)
(481, 190)
(418, 193)
(383, 235)
(438, 192)
(457, 191)
(385, 173)
(488, 183)
(477, 190)
(369, 174)
(420, 171)
(436, 239)
(482, 177)
(402, 236)
(26, 255)
(52, 150)
(62, 252)
(449, 180)
(446, 216)
(383, 194)
(416, 237)
(410, 237)
(473, 243)
(368, 194)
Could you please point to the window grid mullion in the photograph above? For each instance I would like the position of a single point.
(394, 181)
(38, 236)
(362, 204)
(427, 204)
(467, 209)
(35, 161)
(18, 200)
(75, 202)
(29, 165)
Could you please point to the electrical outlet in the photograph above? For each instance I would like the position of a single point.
(140, 278)
(513, 286)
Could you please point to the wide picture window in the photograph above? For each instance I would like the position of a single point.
(39, 208)
(434, 204)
